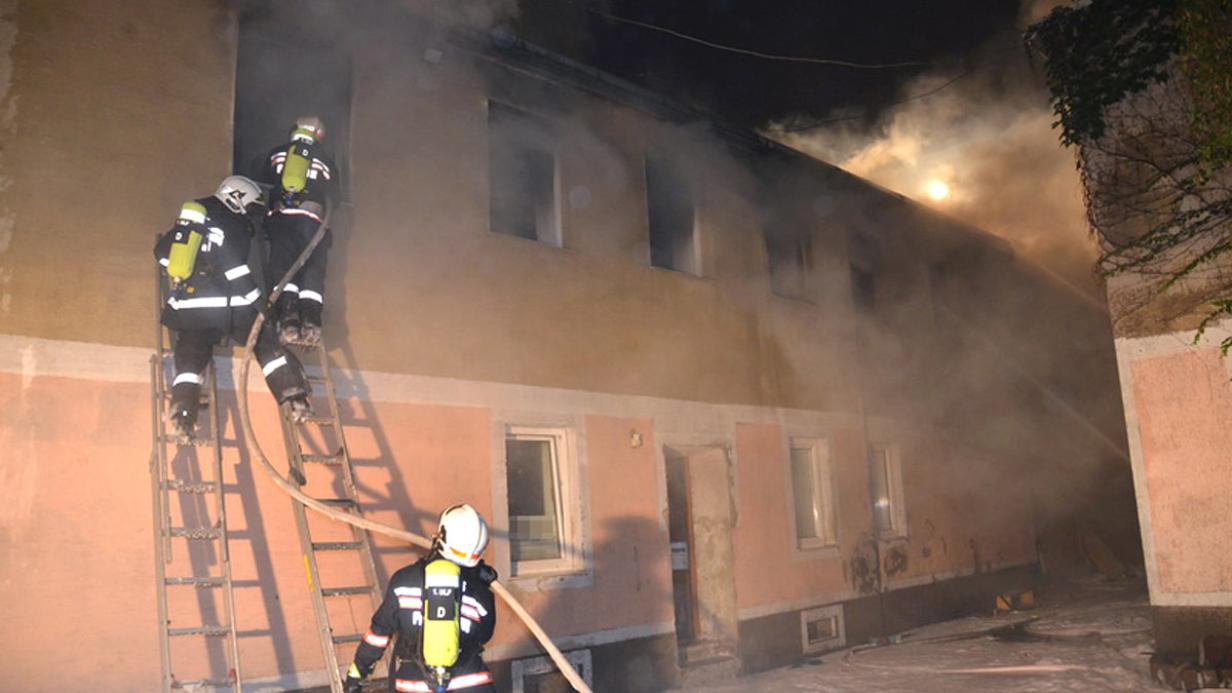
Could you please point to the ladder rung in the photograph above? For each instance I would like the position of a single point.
(191, 486)
(315, 379)
(197, 581)
(337, 546)
(344, 639)
(196, 441)
(207, 631)
(322, 459)
(319, 419)
(345, 591)
(197, 533)
(203, 683)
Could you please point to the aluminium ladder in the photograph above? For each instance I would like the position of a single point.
(196, 526)
(337, 457)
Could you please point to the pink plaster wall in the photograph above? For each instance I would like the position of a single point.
(954, 527)
(1184, 406)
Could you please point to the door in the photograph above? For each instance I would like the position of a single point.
(699, 528)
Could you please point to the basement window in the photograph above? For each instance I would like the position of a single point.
(522, 176)
(886, 471)
(791, 257)
(813, 494)
(822, 629)
(540, 675)
(540, 482)
(670, 217)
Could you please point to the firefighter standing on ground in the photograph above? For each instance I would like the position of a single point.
(214, 296)
(304, 186)
(441, 611)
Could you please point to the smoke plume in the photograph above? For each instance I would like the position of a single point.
(981, 149)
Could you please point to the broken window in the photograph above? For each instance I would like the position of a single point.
(288, 65)
(812, 492)
(670, 217)
(538, 480)
(791, 257)
(522, 180)
(885, 468)
(540, 675)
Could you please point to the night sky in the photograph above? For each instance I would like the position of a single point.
(752, 91)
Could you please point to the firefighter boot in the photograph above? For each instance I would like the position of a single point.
(287, 310)
(310, 322)
(300, 408)
(183, 420)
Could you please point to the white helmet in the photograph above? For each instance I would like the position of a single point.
(462, 535)
(237, 193)
(308, 127)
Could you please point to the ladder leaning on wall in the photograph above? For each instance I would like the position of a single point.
(192, 489)
(331, 452)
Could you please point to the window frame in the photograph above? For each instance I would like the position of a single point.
(573, 568)
(696, 268)
(823, 492)
(519, 669)
(893, 461)
(802, 248)
(833, 612)
(555, 236)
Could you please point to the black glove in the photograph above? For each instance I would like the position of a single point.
(487, 573)
(352, 685)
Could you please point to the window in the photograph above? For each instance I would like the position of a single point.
(889, 515)
(863, 287)
(813, 494)
(522, 180)
(822, 629)
(670, 217)
(791, 257)
(542, 514)
(540, 675)
(286, 68)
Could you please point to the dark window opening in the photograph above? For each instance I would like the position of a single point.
(669, 209)
(863, 287)
(822, 629)
(791, 258)
(289, 66)
(522, 168)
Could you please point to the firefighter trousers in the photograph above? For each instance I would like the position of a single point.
(289, 233)
(194, 348)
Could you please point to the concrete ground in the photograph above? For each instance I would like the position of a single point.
(1091, 636)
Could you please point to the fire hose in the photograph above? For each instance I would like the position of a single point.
(363, 523)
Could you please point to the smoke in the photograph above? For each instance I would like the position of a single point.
(987, 141)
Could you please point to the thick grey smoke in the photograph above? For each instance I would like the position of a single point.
(982, 149)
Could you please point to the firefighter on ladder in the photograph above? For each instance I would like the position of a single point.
(304, 184)
(441, 611)
(214, 296)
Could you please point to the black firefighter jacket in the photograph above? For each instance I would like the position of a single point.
(401, 615)
(221, 293)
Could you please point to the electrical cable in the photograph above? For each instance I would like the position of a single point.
(357, 521)
(757, 54)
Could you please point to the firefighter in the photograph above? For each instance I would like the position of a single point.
(214, 296)
(304, 183)
(440, 610)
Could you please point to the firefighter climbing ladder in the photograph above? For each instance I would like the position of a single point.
(163, 485)
(339, 458)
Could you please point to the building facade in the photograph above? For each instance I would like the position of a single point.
(719, 401)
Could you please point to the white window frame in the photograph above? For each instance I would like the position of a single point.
(823, 493)
(571, 569)
(894, 482)
(521, 668)
(695, 256)
(833, 612)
